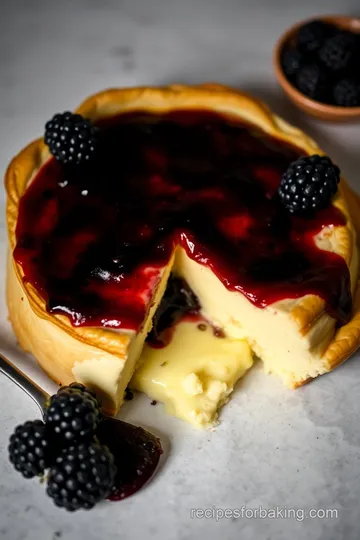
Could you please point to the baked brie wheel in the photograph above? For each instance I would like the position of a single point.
(177, 140)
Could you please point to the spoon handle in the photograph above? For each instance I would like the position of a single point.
(24, 382)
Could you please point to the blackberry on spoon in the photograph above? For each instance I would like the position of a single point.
(73, 414)
(82, 476)
(30, 449)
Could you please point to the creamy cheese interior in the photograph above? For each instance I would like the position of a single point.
(194, 374)
(200, 369)
(271, 331)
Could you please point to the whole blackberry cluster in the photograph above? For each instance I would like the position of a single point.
(81, 471)
(309, 184)
(71, 138)
(30, 449)
(81, 476)
(318, 61)
(73, 413)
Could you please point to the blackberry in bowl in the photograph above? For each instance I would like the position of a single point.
(317, 63)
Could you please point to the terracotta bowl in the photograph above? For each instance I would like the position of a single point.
(323, 111)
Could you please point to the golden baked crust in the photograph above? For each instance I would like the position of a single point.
(305, 311)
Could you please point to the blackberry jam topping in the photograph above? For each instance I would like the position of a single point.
(93, 240)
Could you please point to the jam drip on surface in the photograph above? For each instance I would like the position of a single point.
(93, 240)
(136, 452)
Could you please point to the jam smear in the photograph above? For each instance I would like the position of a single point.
(94, 240)
(136, 452)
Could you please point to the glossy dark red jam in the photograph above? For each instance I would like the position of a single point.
(136, 452)
(93, 240)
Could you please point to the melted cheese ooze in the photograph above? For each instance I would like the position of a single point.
(194, 374)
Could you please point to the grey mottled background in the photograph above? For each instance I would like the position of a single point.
(274, 446)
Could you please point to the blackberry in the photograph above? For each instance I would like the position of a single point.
(29, 449)
(311, 36)
(347, 93)
(312, 81)
(73, 414)
(85, 390)
(308, 184)
(339, 51)
(71, 138)
(81, 476)
(291, 61)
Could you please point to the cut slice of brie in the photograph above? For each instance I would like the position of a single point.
(110, 377)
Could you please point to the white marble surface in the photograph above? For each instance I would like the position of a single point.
(274, 446)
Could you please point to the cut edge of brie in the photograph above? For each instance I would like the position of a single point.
(271, 332)
(112, 377)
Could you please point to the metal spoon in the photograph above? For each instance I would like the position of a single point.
(24, 382)
(110, 432)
